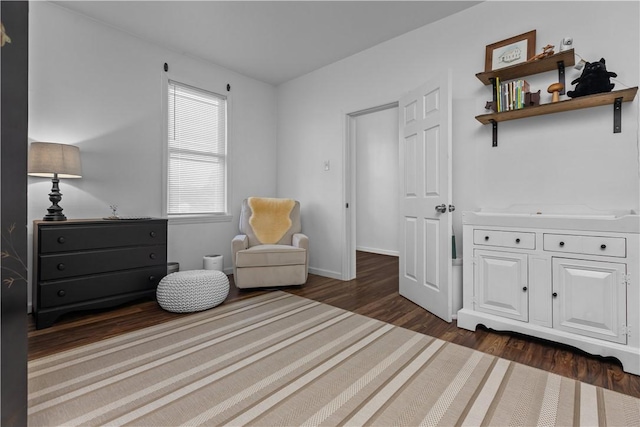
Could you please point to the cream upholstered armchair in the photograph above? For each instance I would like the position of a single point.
(271, 251)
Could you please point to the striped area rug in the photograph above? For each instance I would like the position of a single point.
(283, 360)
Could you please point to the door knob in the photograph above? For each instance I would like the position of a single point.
(441, 208)
(452, 208)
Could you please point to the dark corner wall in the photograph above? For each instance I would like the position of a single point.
(14, 52)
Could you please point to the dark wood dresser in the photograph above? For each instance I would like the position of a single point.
(89, 264)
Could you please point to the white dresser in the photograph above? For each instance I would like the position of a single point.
(566, 277)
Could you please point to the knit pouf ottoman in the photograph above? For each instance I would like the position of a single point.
(192, 290)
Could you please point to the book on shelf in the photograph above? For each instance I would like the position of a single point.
(510, 95)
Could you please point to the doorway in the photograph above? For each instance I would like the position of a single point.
(372, 183)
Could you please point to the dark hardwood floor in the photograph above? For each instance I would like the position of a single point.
(374, 294)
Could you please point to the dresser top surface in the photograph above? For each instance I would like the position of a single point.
(97, 221)
(623, 223)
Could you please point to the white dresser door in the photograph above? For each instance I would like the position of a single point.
(501, 284)
(590, 298)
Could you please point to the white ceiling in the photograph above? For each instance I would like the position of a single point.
(271, 41)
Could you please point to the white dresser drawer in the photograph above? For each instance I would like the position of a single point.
(609, 246)
(562, 243)
(505, 239)
(588, 245)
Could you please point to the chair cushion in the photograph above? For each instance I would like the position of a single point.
(270, 255)
(267, 277)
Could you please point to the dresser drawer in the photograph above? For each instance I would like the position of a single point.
(60, 266)
(587, 245)
(64, 238)
(70, 291)
(506, 239)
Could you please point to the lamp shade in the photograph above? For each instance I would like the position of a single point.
(48, 158)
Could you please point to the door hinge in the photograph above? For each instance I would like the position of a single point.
(625, 330)
(626, 279)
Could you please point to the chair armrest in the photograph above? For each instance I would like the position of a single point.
(239, 242)
(300, 240)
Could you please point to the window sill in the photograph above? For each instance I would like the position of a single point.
(199, 219)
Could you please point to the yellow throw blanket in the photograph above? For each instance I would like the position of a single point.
(270, 218)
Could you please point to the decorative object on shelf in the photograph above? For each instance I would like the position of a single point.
(512, 51)
(53, 160)
(566, 44)
(532, 99)
(594, 79)
(546, 51)
(490, 105)
(554, 89)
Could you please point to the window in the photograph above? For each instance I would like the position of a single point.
(196, 151)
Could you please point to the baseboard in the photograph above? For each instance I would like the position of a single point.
(378, 251)
(325, 273)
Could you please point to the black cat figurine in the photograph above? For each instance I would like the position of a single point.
(594, 79)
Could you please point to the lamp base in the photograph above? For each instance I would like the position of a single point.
(54, 217)
(55, 211)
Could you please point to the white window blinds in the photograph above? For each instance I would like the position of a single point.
(197, 158)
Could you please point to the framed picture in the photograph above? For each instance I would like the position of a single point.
(512, 51)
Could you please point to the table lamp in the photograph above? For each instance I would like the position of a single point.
(52, 160)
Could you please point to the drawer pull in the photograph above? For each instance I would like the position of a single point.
(61, 239)
(486, 237)
(152, 278)
(152, 234)
(61, 267)
(561, 243)
(524, 288)
(603, 246)
(61, 293)
(152, 255)
(517, 240)
(555, 294)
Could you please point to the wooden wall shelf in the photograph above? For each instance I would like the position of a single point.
(607, 98)
(558, 61)
(528, 68)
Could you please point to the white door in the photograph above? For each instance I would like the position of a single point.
(425, 196)
(501, 284)
(589, 298)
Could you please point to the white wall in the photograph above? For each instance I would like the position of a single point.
(566, 158)
(100, 89)
(377, 182)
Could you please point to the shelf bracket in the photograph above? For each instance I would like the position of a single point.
(561, 78)
(494, 125)
(617, 115)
